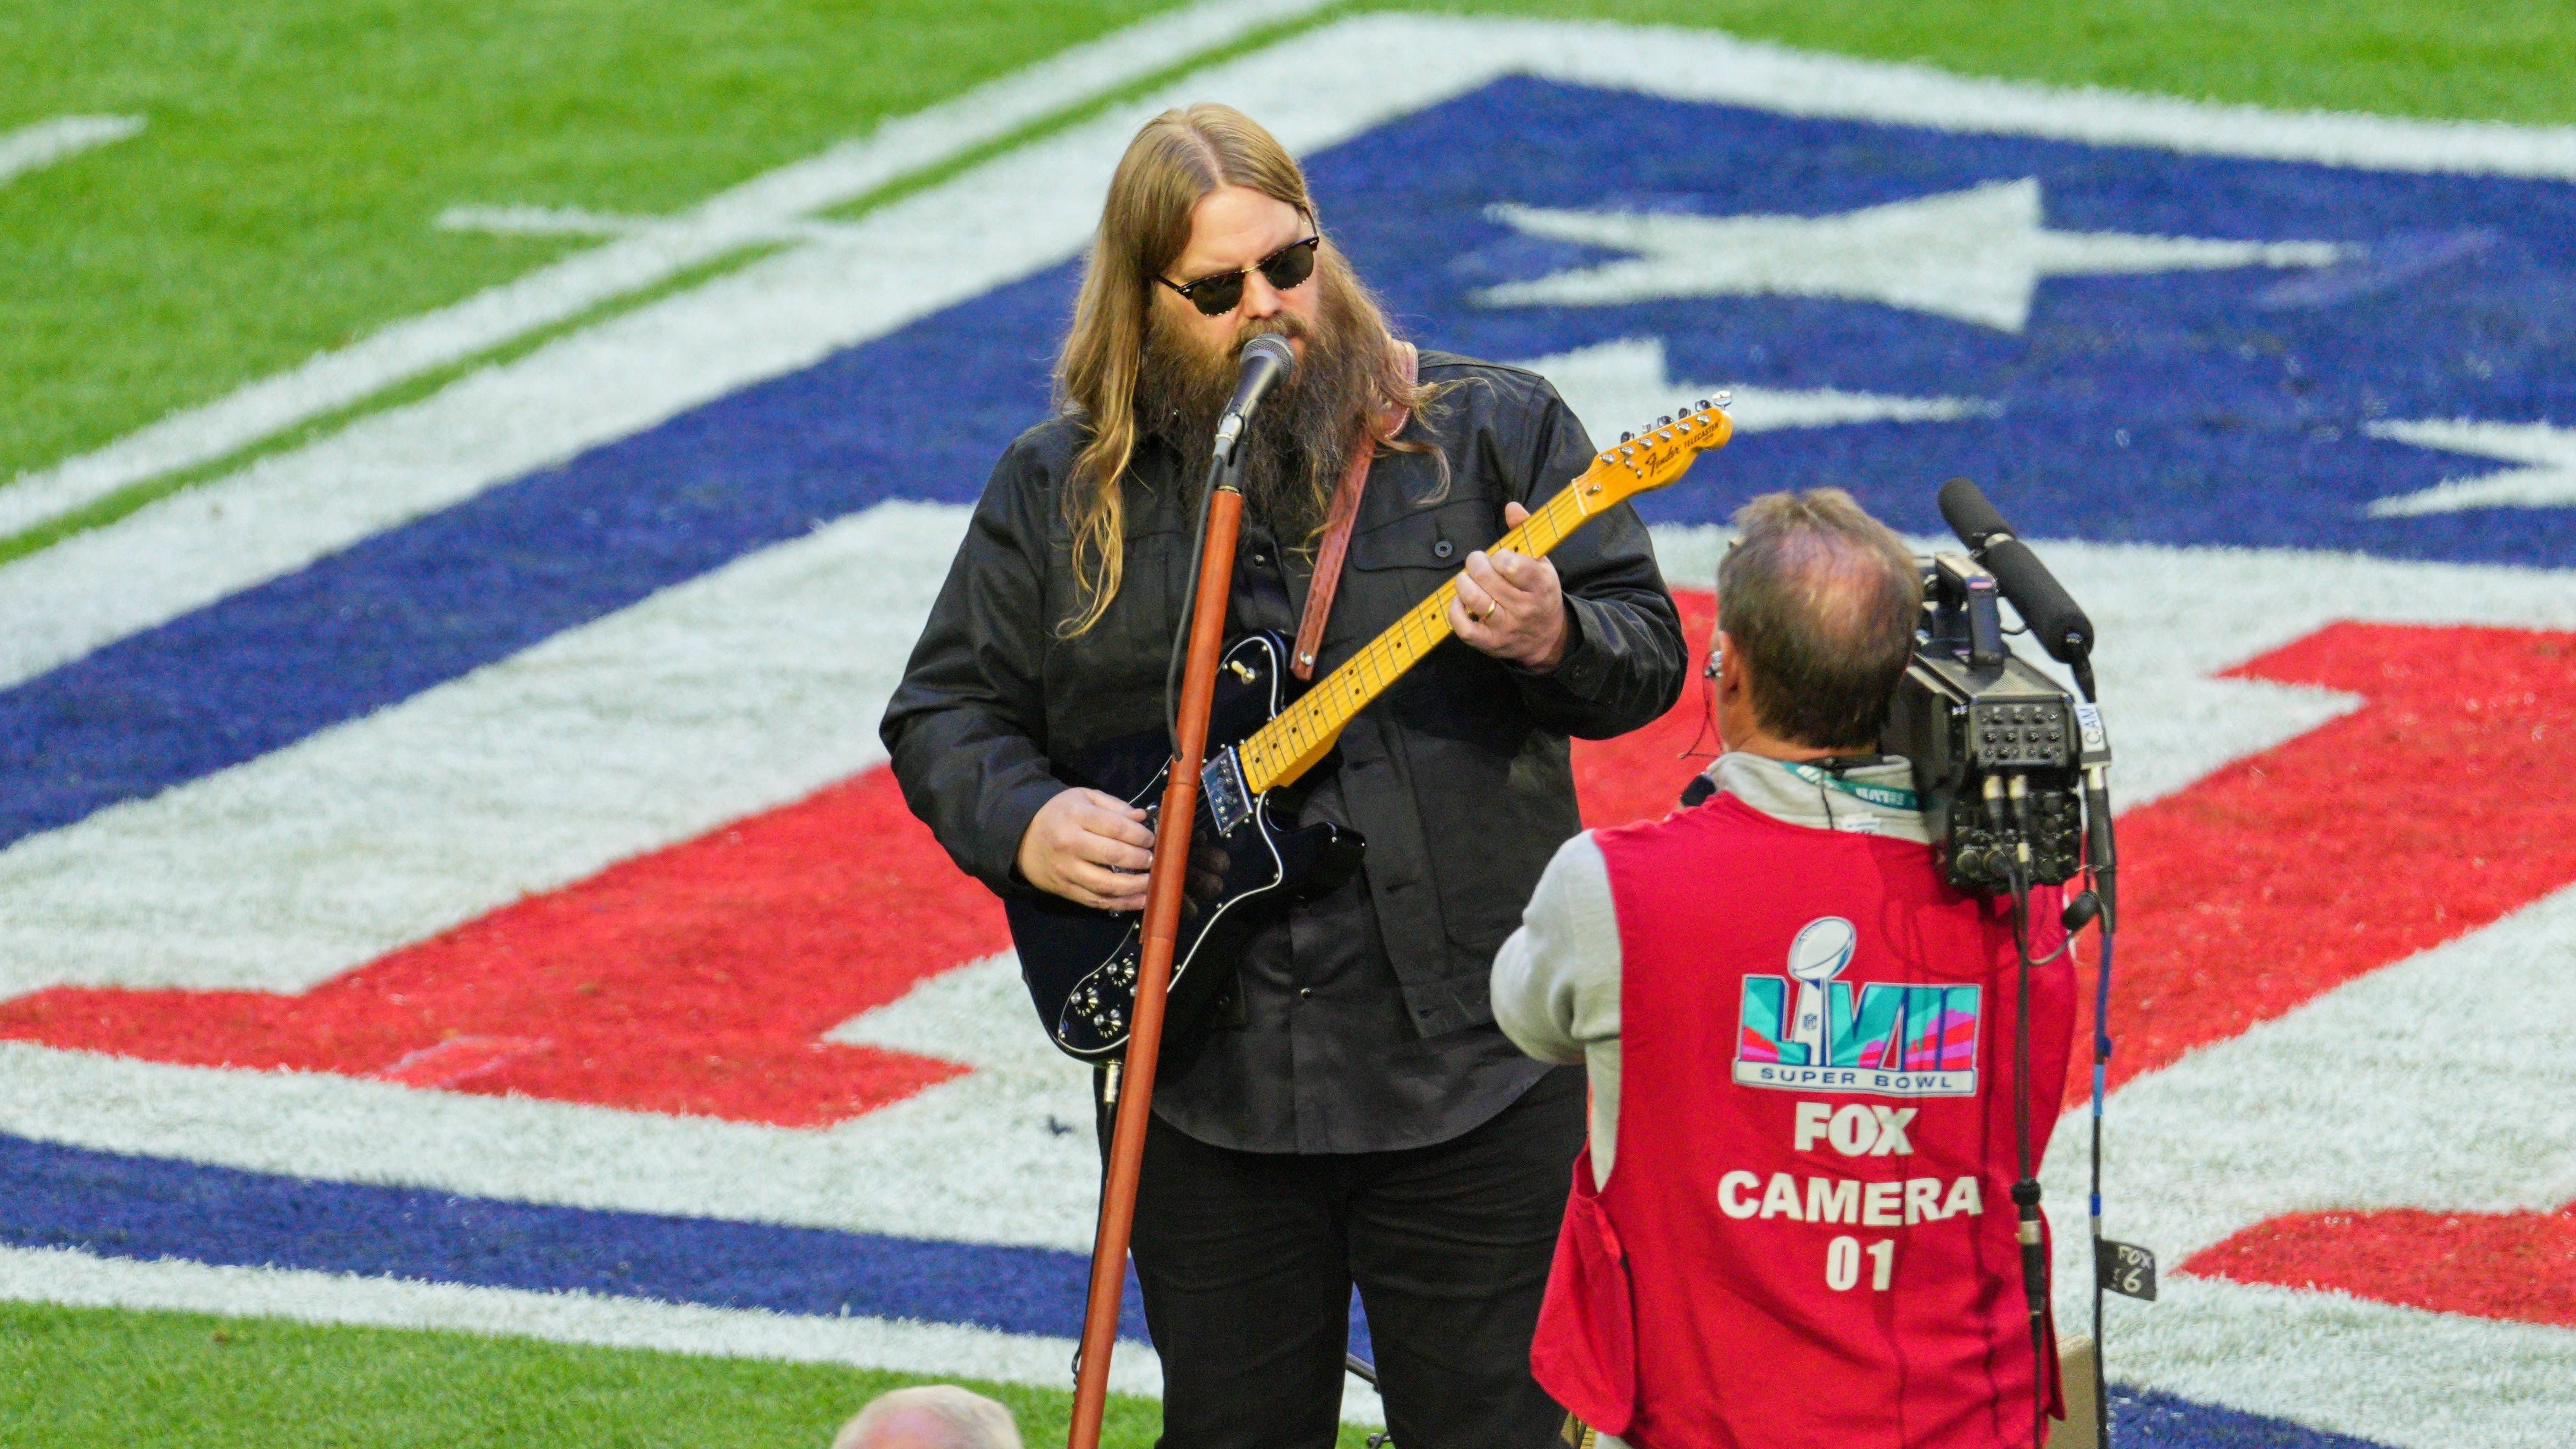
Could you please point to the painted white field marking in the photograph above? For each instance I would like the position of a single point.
(32, 148)
(1976, 255)
(548, 221)
(1313, 88)
(78, 1279)
(943, 246)
(733, 693)
(2385, 1092)
(2548, 482)
(2229, 1136)
(2170, 618)
(760, 683)
(976, 1158)
(740, 216)
(1690, 65)
(580, 221)
(2395, 1376)
(1003, 1154)
(1623, 385)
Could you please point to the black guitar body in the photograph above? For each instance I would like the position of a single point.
(1081, 964)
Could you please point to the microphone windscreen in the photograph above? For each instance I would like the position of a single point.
(2056, 624)
(1274, 347)
(1267, 360)
(1965, 509)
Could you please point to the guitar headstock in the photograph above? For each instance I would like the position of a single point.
(1645, 461)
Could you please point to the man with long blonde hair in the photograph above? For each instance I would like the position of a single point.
(1355, 1117)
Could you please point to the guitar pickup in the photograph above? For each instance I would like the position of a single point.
(1229, 800)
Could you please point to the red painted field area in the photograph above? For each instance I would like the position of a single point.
(700, 979)
(2519, 1266)
(695, 980)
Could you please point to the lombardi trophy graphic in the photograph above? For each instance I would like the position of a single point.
(1823, 948)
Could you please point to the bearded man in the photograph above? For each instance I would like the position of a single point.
(1354, 1117)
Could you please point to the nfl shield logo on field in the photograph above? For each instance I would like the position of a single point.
(496, 861)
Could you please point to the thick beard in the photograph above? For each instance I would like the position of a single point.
(1294, 447)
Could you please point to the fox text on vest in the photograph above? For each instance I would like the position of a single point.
(1855, 1130)
(1806, 1031)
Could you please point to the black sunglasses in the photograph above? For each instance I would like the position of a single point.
(1286, 269)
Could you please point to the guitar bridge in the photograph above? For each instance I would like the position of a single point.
(1229, 800)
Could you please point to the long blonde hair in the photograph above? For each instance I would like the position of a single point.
(1174, 161)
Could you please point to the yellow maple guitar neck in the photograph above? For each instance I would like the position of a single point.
(1302, 734)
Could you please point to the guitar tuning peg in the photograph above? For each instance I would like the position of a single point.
(1627, 437)
(1701, 406)
(1724, 398)
(1665, 421)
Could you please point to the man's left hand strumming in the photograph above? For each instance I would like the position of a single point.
(1510, 605)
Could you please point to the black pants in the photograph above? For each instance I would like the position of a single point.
(1248, 1259)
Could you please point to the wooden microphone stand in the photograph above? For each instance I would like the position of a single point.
(1166, 888)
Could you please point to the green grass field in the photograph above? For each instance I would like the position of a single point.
(281, 202)
(77, 1376)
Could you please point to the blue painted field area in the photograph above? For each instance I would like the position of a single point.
(2227, 405)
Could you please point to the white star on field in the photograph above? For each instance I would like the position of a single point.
(1976, 255)
(2550, 481)
(1624, 384)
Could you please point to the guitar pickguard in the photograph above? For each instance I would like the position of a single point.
(1081, 965)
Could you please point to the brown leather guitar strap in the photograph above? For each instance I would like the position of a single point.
(1337, 530)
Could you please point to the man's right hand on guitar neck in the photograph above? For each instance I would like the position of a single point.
(1091, 848)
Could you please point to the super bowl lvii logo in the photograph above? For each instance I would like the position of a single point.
(1808, 1032)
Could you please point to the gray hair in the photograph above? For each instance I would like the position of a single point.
(931, 1416)
(1821, 600)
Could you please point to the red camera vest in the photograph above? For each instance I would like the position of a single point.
(1807, 1241)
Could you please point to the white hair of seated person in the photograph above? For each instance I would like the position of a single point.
(932, 1416)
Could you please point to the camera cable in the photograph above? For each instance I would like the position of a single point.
(2098, 900)
(2025, 1189)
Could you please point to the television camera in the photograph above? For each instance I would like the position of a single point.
(2013, 776)
(2009, 766)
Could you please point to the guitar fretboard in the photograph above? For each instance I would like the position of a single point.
(1303, 733)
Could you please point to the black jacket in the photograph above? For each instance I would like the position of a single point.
(1458, 776)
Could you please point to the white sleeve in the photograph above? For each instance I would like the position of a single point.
(1556, 981)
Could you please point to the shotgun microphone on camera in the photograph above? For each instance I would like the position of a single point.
(1267, 361)
(2056, 623)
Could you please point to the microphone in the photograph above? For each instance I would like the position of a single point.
(1267, 361)
(2055, 622)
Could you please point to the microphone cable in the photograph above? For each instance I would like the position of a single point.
(2025, 1190)
(2101, 868)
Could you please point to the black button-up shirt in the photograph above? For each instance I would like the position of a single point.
(1361, 1021)
(1316, 1052)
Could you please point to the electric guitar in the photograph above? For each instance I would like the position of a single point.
(1081, 964)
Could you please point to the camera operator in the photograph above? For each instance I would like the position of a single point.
(1800, 1044)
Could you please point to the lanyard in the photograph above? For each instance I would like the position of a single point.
(1885, 797)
